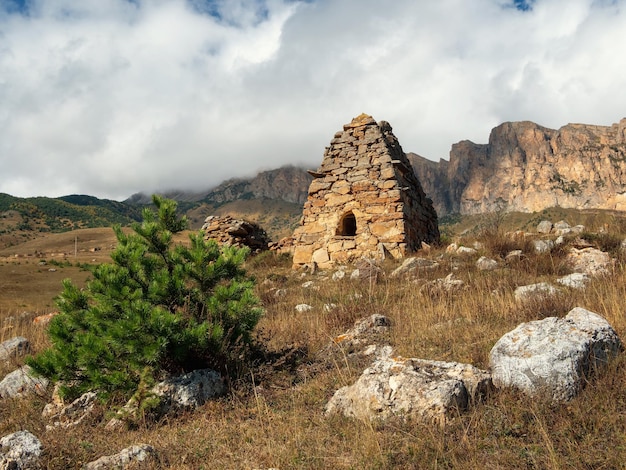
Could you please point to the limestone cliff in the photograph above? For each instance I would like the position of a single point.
(526, 167)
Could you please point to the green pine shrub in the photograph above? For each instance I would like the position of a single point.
(158, 308)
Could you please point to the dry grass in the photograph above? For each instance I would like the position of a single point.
(273, 416)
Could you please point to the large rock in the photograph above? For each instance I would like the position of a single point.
(590, 261)
(189, 391)
(20, 451)
(181, 393)
(139, 456)
(22, 382)
(554, 356)
(13, 348)
(418, 388)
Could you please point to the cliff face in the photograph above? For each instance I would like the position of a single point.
(526, 167)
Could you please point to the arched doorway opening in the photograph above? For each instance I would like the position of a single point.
(347, 225)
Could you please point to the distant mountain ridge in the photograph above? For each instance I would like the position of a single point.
(287, 183)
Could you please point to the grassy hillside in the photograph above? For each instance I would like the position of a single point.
(273, 415)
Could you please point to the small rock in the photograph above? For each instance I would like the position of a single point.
(123, 459)
(338, 275)
(72, 414)
(447, 284)
(329, 307)
(307, 284)
(13, 348)
(464, 250)
(486, 264)
(574, 280)
(545, 226)
(543, 246)
(302, 308)
(367, 270)
(561, 225)
(532, 291)
(514, 255)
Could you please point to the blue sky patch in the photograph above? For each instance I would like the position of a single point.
(523, 5)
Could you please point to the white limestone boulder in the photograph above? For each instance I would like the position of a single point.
(590, 261)
(486, 264)
(13, 348)
(554, 356)
(534, 291)
(131, 457)
(22, 382)
(20, 451)
(430, 391)
(574, 280)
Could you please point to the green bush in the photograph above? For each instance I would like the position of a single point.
(157, 308)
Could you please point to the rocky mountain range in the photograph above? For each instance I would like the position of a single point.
(526, 167)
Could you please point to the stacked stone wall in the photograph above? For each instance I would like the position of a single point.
(364, 175)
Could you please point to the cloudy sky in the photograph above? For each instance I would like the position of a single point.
(112, 97)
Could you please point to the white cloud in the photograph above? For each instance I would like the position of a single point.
(109, 97)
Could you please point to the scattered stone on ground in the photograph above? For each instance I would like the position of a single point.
(181, 393)
(338, 275)
(464, 250)
(545, 227)
(486, 264)
(534, 291)
(543, 246)
(412, 266)
(303, 308)
(447, 284)
(554, 356)
(514, 255)
(365, 331)
(590, 261)
(137, 455)
(20, 451)
(426, 390)
(574, 280)
(13, 348)
(66, 416)
(367, 269)
(22, 382)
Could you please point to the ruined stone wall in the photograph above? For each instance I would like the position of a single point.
(365, 200)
